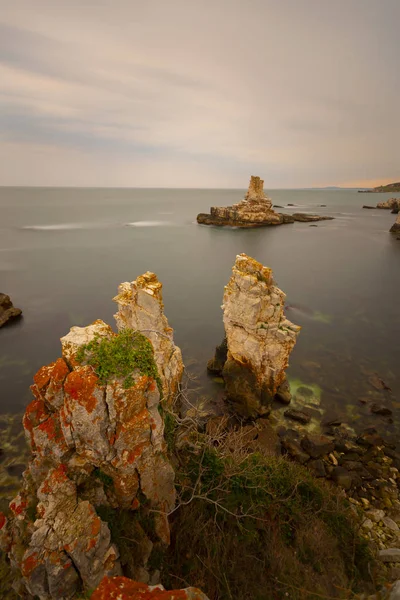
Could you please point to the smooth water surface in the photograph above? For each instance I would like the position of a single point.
(63, 253)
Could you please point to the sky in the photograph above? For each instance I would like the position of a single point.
(185, 93)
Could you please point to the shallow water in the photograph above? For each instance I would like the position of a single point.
(63, 253)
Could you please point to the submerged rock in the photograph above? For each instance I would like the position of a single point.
(259, 338)
(297, 415)
(254, 211)
(307, 218)
(395, 228)
(98, 454)
(7, 311)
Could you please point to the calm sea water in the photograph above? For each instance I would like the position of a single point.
(63, 253)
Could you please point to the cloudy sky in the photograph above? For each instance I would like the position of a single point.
(199, 93)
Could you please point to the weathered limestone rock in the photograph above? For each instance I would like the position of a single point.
(140, 307)
(395, 228)
(259, 337)
(388, 204)
(126, 589)
(254, 211)
(7, 311)
(98, 451)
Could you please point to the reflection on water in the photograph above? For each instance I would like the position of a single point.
(64, 252)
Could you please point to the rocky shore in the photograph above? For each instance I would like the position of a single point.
(392, 204)
(255, 210)
(129, 483)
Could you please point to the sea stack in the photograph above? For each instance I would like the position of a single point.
(96, 434)
(255, 210)
(259, 339)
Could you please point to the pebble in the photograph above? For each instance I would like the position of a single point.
(333, 459)
(389, 555)
(390, 524)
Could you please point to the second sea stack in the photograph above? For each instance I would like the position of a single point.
(255, 210)
(259, 339)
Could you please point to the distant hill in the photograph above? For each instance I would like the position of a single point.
(389, 188)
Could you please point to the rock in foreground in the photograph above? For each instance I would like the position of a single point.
(96, 494)
(259, 338)
(126, 589)
(7, 311)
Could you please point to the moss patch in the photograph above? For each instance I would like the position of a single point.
(119, 356)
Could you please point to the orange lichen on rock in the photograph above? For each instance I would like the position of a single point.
(35, 413)
(29, 564)
(56, 371)
(80, 385)
(56, 477)
(122, 588)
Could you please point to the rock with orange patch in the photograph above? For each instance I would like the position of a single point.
(48, 382)
(140, 307)
(122, 588)
(84, 418)
(259, 337)
(93, 445)
(70, 545)
(48, 438)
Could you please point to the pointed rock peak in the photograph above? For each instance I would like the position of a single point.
(140, 307)
(256, 189)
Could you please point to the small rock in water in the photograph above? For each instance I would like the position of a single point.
(317, 445)
(294, 450)
(378, 383)
(7, 311)
(378, 409)
(389, 555)
(297, 415)
(283, 394)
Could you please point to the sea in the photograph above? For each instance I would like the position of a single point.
(64, 251)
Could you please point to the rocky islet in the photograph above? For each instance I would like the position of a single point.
(255, 210)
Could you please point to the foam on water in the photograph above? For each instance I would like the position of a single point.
(65, 226)
(148, 224)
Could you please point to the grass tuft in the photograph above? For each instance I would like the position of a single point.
(119, 356)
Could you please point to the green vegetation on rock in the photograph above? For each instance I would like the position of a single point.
(119, 356)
